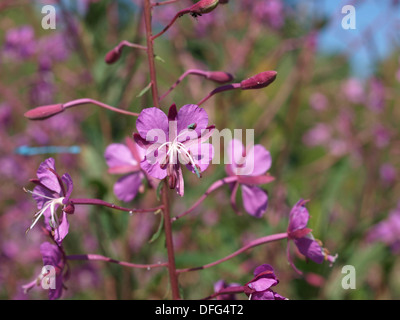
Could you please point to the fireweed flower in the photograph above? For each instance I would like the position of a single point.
(387, 231)
(302, 237)
(174, 140)
(250, 167)
(52, 256)
(125, 159)
(49, 194)
(259, 288)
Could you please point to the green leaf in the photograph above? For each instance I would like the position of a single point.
(144, 90)
(158, 232)
(158, 58)
(158, 191)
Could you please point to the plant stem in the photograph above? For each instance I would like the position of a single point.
(217, 184)
(169, 242)
(150, 52)
(257, 242)
(97, 257)
(98, 202)
(78, 102)
(173, 276)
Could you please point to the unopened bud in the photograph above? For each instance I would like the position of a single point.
(69, 208)
(112, 56)
(259, 81)
(203, 6)
(44, 112)
(219, 76)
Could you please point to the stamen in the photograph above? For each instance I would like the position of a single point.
(37, 194)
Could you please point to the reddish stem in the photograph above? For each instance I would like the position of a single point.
(98, 202)
(252, 244)
(78, 102)
(227, 87)
(150, 52)
(214, 186)
(97, 257)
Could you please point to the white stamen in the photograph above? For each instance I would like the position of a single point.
(49, 204)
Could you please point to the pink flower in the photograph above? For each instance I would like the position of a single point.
(125, 159)
(173, 140)
(259, 288)
(302, 237)
(250, 167)
(50, 192)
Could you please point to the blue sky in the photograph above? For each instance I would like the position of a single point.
(377, 25)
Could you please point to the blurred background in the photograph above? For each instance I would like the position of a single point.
(330, 121)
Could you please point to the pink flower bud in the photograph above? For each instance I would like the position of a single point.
(44, 112)
(112, 56)
(203, 6)
(259, 81)
(219, 76)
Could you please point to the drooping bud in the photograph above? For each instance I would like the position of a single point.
(219, 76)
(259, 81)
(44, 112)
(202, 7)
(113, 55)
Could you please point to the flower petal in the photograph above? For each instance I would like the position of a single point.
(127, 186)
(310, 249)
(235, 153)
(153, 169)
(258, 161)
(151, 119)
(255, 200)
(61, 232)
(66, 178)
(298, 217)
(39, 192)
(48, 178)
(202, 154)
(262, 284)
(263, 268)
(191, 114)
(118, 154)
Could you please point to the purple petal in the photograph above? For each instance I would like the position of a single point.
(202, 153)
(235, 154)
(37, 195)
(118, 154)
(310, 248)
(127, 186)
(66, 178)
(51, 254)
(258, 159)
(191, 114)
(298, 217)
(266, 295)
(48, 178)
(255, 200)
(153, 170)
(61, 232)
(150, 119)
(263, 268)
(262, 284)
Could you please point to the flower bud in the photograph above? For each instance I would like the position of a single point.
(44, 112)
(69, 208)
(203, 6)
(259, 81)
(112, 56)
(219, 76)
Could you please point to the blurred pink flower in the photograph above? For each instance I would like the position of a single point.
(353, 90)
